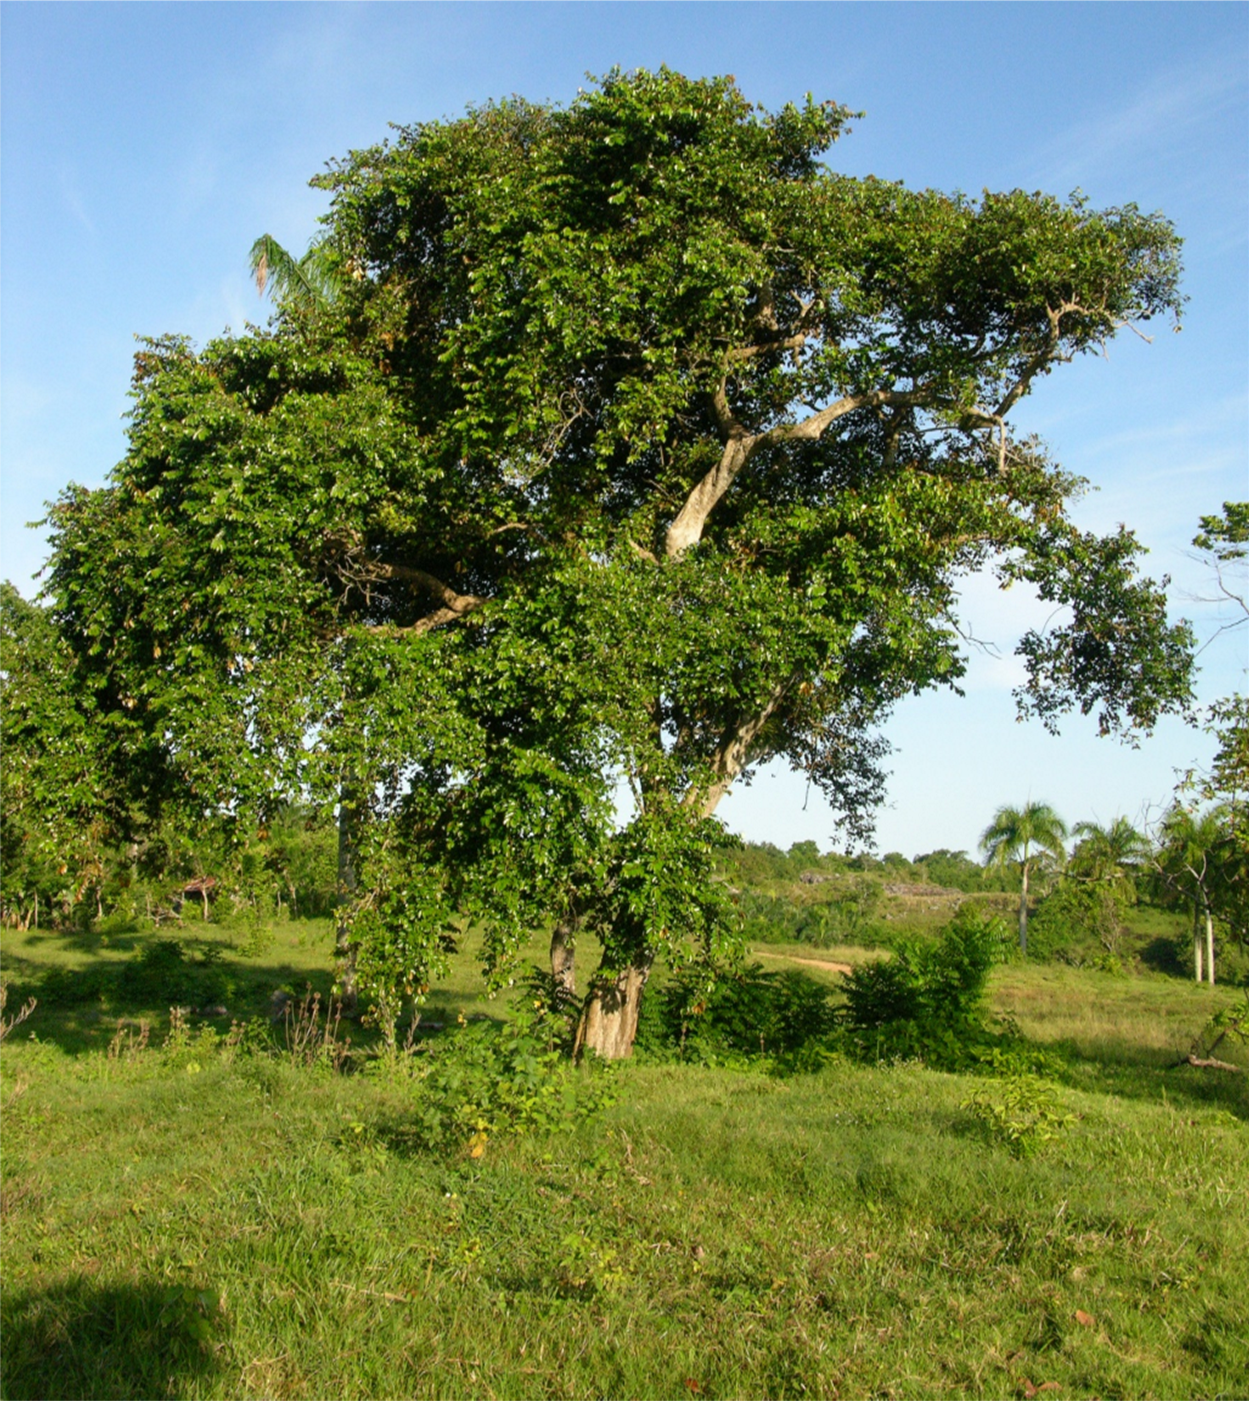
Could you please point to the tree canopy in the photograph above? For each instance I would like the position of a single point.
(633, 441)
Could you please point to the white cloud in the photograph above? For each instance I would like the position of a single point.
(1163, 114)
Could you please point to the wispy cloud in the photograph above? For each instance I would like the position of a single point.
(1165, 113)
(73, 202)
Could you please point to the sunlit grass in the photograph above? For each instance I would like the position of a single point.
(187, 1223)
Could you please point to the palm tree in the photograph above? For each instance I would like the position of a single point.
(1188, 859)
(1110, 856)
(302, 284)
(1026, 837)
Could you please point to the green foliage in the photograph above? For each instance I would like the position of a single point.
(167, 971)
(625, 438)
(55, 812)
(957, 871)
(1020, 1112)
(845, 915)
(162, 972)
(660, 897)
(739, 1016)
(1077, 922)
(488, 1080)
(1024, 837)
(926, 1002)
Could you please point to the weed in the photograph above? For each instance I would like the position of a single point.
(312, 1037)
(8, 1023)
(128, 1042)
(1019, 1112)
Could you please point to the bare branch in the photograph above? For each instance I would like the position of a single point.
(733, 755)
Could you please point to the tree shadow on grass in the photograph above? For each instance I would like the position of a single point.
(1147, 1075)
(79, 1338)
(79, 1008)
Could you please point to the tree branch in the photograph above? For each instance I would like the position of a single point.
(733, 756)
(740, 446)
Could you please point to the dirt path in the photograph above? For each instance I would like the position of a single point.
(811, 962)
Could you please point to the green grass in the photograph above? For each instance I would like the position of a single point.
(193, 1223)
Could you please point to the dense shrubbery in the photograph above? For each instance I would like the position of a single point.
(162, 973)
(1078, 922)
(286, 869)
(745, 1015)
(927, 1001)
(957, 871)
(846, 915)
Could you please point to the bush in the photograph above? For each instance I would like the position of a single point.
(488, 1079)
(746, 1015)
(1077, 922)
(847, 917)
(1022, 1114)
(927, 1001)
(167, 972)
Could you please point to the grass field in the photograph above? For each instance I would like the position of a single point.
(196, 1221)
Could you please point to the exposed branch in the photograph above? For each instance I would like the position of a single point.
(1209, 1063)
(733, 755)
(748, 352)
(455, 603)
(740, 445)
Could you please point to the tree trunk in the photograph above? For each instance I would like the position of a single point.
(1209, 946)
(609, 1019)
(1023, 913)
(564, 953)
(1198, 971)
(344, 945)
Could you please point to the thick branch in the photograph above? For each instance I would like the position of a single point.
(740, 445)
(455, 605)
(748, 352)
(733, 756)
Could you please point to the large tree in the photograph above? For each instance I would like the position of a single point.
(633, 441)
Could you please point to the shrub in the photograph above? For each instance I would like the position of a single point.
(487, 1079)
(744, 1015)
(1021, 1112)
(168, 971)
(1076, 922)
(927, 1001)
(847, 916)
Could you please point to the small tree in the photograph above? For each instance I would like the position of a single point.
(1027, 838)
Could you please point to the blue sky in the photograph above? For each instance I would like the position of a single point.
(143, 147)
